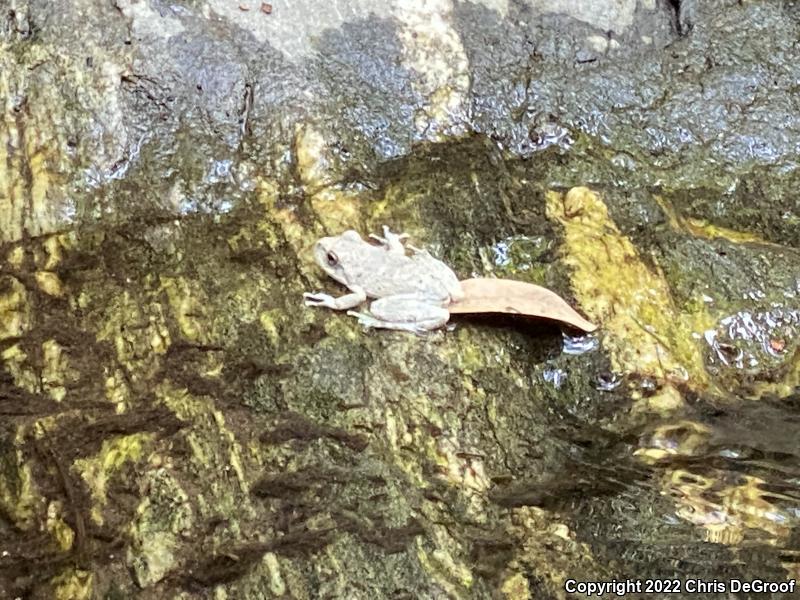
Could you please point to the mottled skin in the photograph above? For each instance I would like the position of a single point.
(412, 291)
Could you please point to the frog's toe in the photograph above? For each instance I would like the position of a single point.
(319, 299)
(392, 241)
(389, 234)
(379, 239)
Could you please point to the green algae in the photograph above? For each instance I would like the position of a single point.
(644, 331)
(113, 456)
(18, 494)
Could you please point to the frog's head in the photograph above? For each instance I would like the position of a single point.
(334, 254)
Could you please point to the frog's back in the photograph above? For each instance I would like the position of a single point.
(443, 274)
(393, 274)
(419, 274)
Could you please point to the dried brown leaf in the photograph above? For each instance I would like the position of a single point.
(483, 295)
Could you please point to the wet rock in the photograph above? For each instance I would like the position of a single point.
(176, 420)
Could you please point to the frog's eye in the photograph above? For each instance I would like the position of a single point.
(333, 260)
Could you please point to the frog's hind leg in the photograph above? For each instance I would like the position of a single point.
(418, 327)
(403, 313)
(393, 242)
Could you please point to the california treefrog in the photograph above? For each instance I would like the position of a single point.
(412, 292)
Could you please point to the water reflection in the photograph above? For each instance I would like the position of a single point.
(746, 338)
(608, 381)
(555, 376)
(579, 344)
(732, 471)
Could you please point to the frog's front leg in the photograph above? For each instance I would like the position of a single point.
(393, 242)
(359, 296)
(404, 312)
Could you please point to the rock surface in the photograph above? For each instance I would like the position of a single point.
(176, 424)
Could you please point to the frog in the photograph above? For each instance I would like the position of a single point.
(410, 292)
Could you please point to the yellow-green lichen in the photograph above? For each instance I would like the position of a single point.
(14, 308)
(49, 283)
(73, 584)
(313, 161)
(643, 330)
(16, 256)
(113, 455)
(452, 575)
(61, 532)
(280, 224)
(337, 211)
(52, 250)
(268, 320)
(56, 370)
(276, 584)
(31, 161)
(515, 587)
(214, 447)
(162, 517)
(138, 330)
(468, 354)
(548, 548)
(18, 498)
(702, 228)
(17, 365)
(187, 308)
(154, 557)
(117, 391)
(337, 208)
